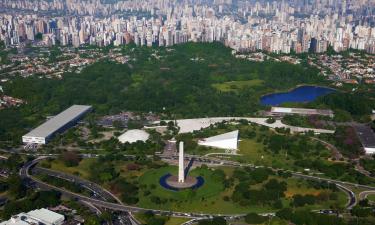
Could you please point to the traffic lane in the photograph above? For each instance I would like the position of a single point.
(84, 183)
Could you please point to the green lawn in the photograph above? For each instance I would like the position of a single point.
(237, 85)
(371, 198)
(176, 221)
(82, 169)
(254, 153)
(208, 198)
(169, 220)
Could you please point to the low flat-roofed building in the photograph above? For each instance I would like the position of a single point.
(281, 111)
(38, 216)
(59, 123)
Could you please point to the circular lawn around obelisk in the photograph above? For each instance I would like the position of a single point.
(208, 198)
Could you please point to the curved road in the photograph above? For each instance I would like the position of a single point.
(364, 194)
(24, 173)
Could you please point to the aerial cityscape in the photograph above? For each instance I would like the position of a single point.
(187, 112)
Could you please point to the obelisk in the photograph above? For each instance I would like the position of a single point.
(181, 168)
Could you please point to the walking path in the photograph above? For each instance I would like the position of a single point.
(190, 125)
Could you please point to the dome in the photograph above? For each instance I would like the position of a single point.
(132, 136)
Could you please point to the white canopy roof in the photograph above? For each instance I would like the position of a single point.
(224, 141)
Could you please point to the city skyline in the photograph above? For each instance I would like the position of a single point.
(276, 26)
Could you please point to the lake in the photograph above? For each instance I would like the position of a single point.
(297, 95)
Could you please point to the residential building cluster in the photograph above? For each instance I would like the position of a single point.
(279, 26)
(8, 101)
(351, 69)
(68, 60)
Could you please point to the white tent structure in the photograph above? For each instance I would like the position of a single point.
(132, 136)
(227, 141)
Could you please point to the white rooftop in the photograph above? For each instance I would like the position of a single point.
(38, 216)
(223, 141)
(135, 135)
(54, 124)
(46, 215)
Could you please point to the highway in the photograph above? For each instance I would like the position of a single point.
(352, 201)
(364, 194)
(91, 186)
(24, 173)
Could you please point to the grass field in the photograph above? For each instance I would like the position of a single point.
(82, 169)
(169, 220)
(237, 85)
(254, 153)
(176, 221)
(371, 198)
(208, 198)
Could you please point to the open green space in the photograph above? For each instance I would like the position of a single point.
(211, 197)
(371, 197)
(83, 169)
(237, 85)
(215, 196)
(255, 153)
(171, 84)
(168, 220)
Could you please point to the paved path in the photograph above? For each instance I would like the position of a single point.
(364, 194)
(335, 153)
(190, 125)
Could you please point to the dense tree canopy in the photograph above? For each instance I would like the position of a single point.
(173, 84)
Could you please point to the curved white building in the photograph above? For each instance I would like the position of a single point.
(223, 141)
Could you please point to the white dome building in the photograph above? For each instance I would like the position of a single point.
(132, 136)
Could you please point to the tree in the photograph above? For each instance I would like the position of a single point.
(285, 213)
(214, 221)
(253, 218)
(16, 187)
(270, 120)
(70, 158)
(39, 36)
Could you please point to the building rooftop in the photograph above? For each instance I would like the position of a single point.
(38, 216)
(224, 141)
(324, 112)
(46, 215)
(54, 124)
(135, 135)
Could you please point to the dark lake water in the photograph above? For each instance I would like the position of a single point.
(300, 94)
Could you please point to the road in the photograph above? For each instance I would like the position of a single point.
(190, 125)
(91, 186)
(364, 194)
(24, 173)
(352, 201)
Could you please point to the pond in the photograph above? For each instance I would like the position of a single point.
(298, 95)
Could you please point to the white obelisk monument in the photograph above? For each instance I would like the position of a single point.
(181, 168)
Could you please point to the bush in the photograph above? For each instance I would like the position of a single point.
(254, 218)
(70, 158)
(270, 120)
